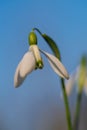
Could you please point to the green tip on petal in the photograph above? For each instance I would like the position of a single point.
(39, 64)
(32, 38)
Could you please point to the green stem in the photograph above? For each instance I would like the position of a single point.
(68, 116)
(56, 51)
(77, 112)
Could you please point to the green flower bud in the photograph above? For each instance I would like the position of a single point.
(32, 38)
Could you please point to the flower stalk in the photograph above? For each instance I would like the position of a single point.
(68, 116)
(81, 81)
(56, 52)
(77, 111)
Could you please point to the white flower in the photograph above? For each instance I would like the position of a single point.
(32, 60)
(71, 82)
(79, 79)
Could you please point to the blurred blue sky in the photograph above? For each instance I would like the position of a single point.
(66, 23)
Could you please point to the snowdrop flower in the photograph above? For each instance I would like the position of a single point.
(32, 60)
(79, 78)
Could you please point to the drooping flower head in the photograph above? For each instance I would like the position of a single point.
(78, 78)
(32, 60)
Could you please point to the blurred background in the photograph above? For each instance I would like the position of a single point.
(37, 103)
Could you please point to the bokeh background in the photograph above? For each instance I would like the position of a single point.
(37, 103)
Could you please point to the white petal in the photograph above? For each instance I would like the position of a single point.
(56, 65)
(17, 78)
(72, 81)
(26, 66)
(77, 73)
(70, 84)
